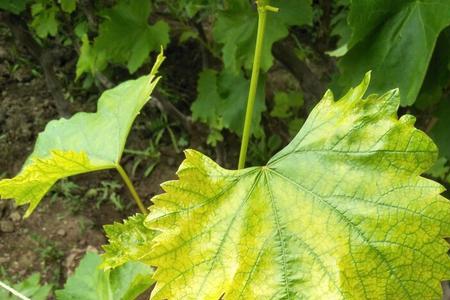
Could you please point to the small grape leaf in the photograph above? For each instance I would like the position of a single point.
(396, 40)
(68, 6)
(340, 213)
(440, 130)
(30, 287)
(44, 19)
(220, 98)
(236, 29)
(126, 27)
(128, 241)
(84, 143)
(16, 7)
(89, 282)
(90, 60)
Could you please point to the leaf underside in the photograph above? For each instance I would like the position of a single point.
(84, 143)
(340, 213)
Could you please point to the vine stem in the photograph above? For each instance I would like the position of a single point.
(262, 15)
(131, 188)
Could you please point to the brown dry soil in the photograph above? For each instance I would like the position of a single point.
(53, 239)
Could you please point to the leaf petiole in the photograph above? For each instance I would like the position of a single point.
(131, 188)
(263, 8)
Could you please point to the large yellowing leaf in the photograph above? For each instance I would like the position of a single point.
(340, 213)
(84, 143)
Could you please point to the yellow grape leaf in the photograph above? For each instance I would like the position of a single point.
(340, 213)
(84, 143)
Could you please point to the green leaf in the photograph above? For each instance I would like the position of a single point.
(89, 282)
(44, 19)
(340, 213)
(437, 78)
(286, 103)
(90, 61)
(396, 42)
(129, 241)
(16, 6)
(205, 107)
(84, 143)
(30, 287)
(68, 6)
(440, 169)
(221, 98)
(440, 131)
(236, 28)
(126, 27)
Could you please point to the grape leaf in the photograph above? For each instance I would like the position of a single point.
(126, 27)
(16, 6)
(437, 78)
(44, 19)
(129, 241)
(395, 39)
(84, 143)
(236, 29)
(286, 104)
(68, 6)
(90, 60)
(441, 129)
(30, 287)
(205, 107)
(220, 101)
(91, 283)
(340, 213)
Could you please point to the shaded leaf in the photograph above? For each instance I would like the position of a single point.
(126, 27)
(89, 282)
(340, 213)
(84, 143)
(440, 131)
(16, 6)
(221, 101)
(396, 40)
(68, 6)
(286, 103)
(236, 29)
(30, 287)
(44, 19)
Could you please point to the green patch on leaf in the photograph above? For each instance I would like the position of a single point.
(128, 241)
(340, 213)
(84, 143)
(89, 282)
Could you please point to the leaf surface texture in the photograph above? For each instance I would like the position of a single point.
(340, 213)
